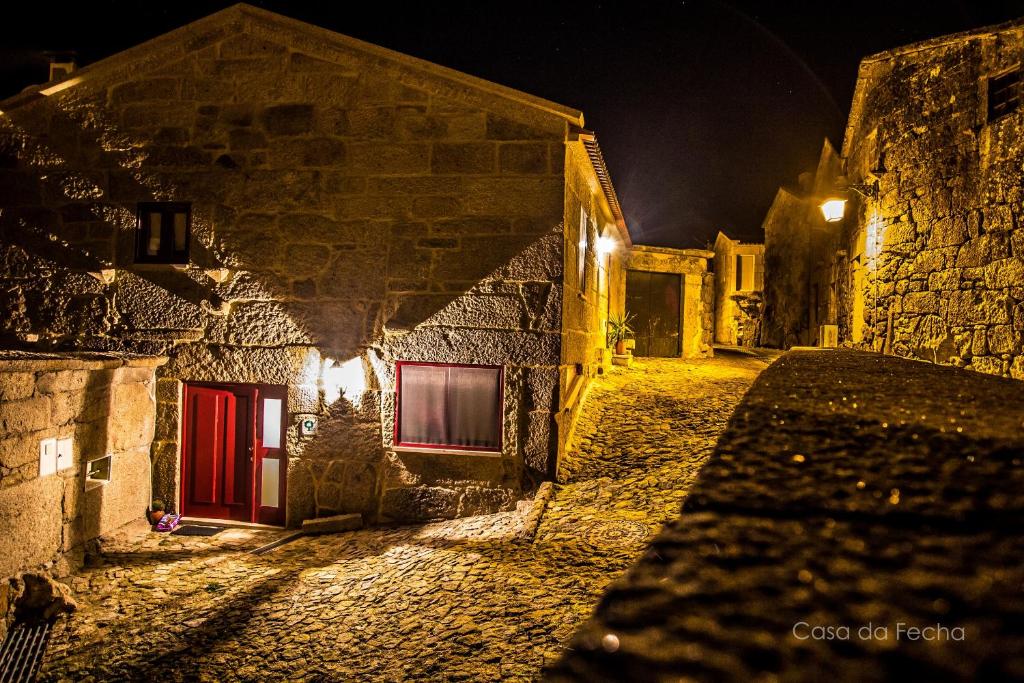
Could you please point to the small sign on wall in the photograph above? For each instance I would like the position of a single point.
(307, 426)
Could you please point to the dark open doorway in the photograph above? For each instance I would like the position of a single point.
(654, 298)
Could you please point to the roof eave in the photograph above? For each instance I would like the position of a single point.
(604, 179)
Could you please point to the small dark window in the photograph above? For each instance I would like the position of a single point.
(739, 272)
(449, 406)
(164, 232)
(581, 250)
(1004, 93)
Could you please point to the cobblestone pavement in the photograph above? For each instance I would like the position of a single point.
(454, 600)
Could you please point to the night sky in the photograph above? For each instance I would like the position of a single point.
(702, 107)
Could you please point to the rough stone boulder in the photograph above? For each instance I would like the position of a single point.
(33, 596)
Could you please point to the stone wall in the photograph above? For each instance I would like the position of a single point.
(104, 403)
(351, 207)
(939, 254)
(804, 261)
(696, 298)
(588, 303)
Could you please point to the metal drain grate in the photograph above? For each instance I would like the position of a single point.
(23, 651)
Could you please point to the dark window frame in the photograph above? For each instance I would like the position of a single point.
(1003, 93)
(397, 436)
(582, 243)
(167, 253)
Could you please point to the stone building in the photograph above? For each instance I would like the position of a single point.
(802, 260)
(936, 249)
(669, 294)
(739, 282)
(381, 285)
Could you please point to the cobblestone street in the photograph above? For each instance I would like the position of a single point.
(456, 600)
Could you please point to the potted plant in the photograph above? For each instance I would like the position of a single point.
(619, 331)
(156, 511)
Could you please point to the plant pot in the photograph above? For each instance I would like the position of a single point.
(156, 515)
(620, 347)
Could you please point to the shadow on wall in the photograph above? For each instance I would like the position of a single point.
(270, 275)
(293, 277)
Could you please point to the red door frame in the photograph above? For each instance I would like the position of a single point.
(253, 393)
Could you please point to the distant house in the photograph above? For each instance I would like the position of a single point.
(739, 281)
(802, 259)
(381, 284)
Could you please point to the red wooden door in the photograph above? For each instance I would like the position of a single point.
(217, 470)
(234, 462)
(270, 459)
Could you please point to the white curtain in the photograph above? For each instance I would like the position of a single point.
(422, 408)
(473, 415)
(450, 406)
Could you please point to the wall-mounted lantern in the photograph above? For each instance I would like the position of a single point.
(605, 245)
(833, 209)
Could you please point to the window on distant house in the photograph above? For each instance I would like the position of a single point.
(1004, 93)
(449, 406)
(744, 272)
(163, 233)
(581, 251)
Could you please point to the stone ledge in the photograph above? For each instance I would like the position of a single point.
(820, 506)
(332, 525)
(37, 361)
(534, 512)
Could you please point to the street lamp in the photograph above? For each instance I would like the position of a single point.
(833, 209)
(605, 245)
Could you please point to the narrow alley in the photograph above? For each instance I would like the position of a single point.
(465, 599)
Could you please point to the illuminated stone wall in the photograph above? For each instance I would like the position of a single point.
(349, 210)
(587, 304)
(938, 257)
(106, 405)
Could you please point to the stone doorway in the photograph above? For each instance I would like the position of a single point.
(234, 463)
(654, 298)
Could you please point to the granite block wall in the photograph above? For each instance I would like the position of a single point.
(106, 405)
(938, 256)
(349, 210)
(587, 302)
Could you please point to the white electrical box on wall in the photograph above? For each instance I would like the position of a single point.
(64, 450)
(47, 457)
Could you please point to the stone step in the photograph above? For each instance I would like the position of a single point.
(333, 524)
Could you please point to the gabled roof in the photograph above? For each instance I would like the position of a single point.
(306, 37)
(321, 43)
(739, 243)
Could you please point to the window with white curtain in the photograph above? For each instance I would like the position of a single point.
(449, 406)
